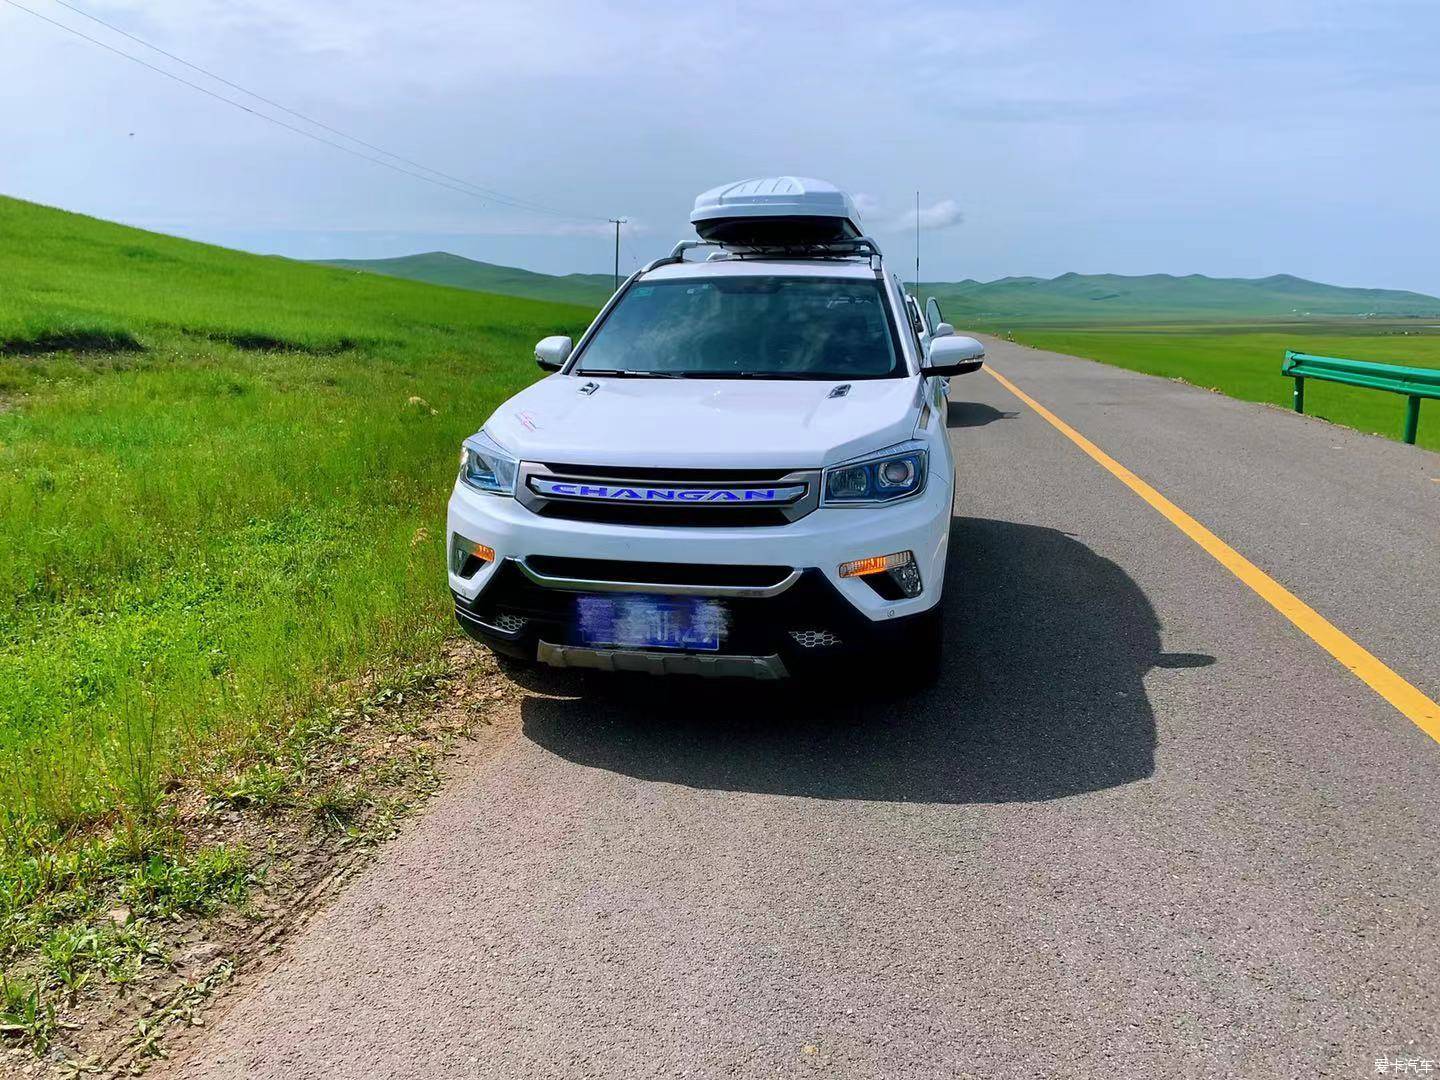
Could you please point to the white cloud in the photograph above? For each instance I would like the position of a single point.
(866, 203)
(944, 214)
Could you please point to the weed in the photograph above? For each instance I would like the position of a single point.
(261, 787)
(27, 1015)
(68, 952)
(75, 1068)
(165, 885)
(337, 806)
(183, 1006)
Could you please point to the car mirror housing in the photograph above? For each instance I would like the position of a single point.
(953, 354)
(943, 329)
(552, 352)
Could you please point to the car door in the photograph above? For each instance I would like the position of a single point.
(917, 320)
(936, 388)
(931, 319)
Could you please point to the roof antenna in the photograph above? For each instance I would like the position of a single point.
(617, 222)
(917, 246)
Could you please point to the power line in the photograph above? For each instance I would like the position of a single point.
(452, 183)
(498, 196)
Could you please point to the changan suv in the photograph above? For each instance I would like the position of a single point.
(741, 468)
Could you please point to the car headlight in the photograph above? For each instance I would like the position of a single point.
(890, 475)
(484, 466)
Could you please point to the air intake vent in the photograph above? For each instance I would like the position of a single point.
(758, 577)
(815, 639)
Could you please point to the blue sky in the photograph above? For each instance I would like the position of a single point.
(1226, 138)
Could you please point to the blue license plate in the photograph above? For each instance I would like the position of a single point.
(654, 622)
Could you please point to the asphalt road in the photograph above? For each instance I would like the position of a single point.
(1144, 824)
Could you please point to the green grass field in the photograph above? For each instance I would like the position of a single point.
(222, 488)
(1243, 361)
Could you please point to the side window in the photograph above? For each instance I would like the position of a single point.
(907, 303)
(912, 308)
(932, 314)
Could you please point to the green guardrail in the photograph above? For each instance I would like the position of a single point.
(1413, 383)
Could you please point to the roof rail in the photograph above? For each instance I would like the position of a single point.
(838, 249)
(677, 253)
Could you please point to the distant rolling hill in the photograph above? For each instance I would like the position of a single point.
(443, 268)
(1067, 299)
(1112, 298)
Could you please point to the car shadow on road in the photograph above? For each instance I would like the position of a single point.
(974, 414)
(1047, 644)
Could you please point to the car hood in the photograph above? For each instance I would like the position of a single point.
(700, 423)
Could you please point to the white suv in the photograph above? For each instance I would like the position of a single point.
(741, 468)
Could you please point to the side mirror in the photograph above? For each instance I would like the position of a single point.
(552, 352)
(943, 329)
(953, 355)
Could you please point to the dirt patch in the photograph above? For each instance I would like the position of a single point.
(396, 750)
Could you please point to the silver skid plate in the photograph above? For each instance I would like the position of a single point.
(662, 663)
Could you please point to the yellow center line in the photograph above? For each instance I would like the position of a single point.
(1365, 666)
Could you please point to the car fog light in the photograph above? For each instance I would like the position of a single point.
(466, 556)
(875, 564)
(900, 569)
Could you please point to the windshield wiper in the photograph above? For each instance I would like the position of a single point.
(626, 373)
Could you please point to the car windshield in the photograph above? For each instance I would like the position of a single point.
(747, 327)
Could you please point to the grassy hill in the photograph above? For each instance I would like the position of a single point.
(1090, 298)
(442, 268)
(1068, 300)
(222, 490)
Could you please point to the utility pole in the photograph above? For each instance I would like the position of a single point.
(617, 222)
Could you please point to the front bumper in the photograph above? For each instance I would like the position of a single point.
(821, 540)
(816, 616)
(806, 626)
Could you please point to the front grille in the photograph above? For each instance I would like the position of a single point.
(510, 623)
(760, 577)
(661, 495)
(710, 517)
